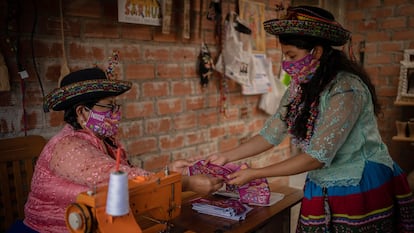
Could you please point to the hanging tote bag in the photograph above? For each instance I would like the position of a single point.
(236, 61)
(271, 100)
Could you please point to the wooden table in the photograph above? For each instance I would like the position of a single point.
(275, 218)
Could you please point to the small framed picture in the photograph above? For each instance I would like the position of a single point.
(253, 13)
(406, 80)
(140, 12)
(409, 56)
(406, 83)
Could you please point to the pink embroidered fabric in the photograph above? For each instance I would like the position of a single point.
(71, 162)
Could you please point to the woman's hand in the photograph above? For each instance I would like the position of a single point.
(180, 166)
(218, 159)
(202, 184)
(242, 176)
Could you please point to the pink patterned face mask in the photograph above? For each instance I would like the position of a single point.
(301, 70)
(104, 124)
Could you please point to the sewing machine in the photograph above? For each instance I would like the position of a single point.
(153, 201)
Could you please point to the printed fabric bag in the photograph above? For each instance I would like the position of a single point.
(237, 62)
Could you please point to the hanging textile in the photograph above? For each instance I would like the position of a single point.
(186, 20)
(4, 75)
(166, 16)
(238, 63)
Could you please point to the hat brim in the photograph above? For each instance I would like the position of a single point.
(333, 33)
(62, 98)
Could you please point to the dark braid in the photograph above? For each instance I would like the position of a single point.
(332, 61)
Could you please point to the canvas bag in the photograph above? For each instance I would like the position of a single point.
(271, 100)
(237, 62)
(259, 77)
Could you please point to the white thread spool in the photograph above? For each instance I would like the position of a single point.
(117, 202)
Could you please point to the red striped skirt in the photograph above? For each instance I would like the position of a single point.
(382, 202)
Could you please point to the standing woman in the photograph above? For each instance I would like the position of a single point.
(329, 111)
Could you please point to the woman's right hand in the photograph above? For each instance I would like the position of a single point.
(217, 159)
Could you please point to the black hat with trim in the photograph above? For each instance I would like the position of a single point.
(309, 21)
(83, 85)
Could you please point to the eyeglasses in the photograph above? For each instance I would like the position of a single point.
(114, 107)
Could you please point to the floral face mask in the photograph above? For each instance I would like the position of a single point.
(301, 70)
(104, 124)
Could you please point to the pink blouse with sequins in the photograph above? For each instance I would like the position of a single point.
(73, 161)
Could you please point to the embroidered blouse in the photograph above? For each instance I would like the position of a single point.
(345, 134)
(73, 161)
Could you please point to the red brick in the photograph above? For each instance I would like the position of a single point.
(155, 89)
(185, 121)
(208, 118)
(169, 106)
(132, 129)
(169, 71)
(194, 103)
(181, 88)
(139, 71)
(127, 53)
(140, 109)
(156, 163)
(237, 129)
(394, 23)
(196, 137)
(369, 4)
(156, 53)
(158, 125)
(84, 51)
(403, 35)
(142, 145)
(184, 54)
(171, 142)
(136, 32)
(91, 9)
(98, 29)
(216, 132)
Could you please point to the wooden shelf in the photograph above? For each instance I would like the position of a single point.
(402, 139)
(403, 103)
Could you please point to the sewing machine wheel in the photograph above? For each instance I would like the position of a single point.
(78, 218)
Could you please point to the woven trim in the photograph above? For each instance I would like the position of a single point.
(76, 90)
(331, 32)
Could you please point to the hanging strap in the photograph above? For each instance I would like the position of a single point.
(64, 69)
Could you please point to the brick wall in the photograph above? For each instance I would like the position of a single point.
(386, 26)
(166, 114)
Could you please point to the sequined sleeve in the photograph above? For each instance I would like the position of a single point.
(339, 108)
(83, 162)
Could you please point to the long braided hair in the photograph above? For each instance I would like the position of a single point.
(332, 61)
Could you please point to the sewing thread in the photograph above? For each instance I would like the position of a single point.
(117, 202)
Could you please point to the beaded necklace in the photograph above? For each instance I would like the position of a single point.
(296, 108)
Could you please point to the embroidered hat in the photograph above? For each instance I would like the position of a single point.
(83, 85)
(309, 21)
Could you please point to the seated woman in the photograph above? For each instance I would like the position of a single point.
(83, 154)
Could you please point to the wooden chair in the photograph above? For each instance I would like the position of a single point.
(17, 159)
